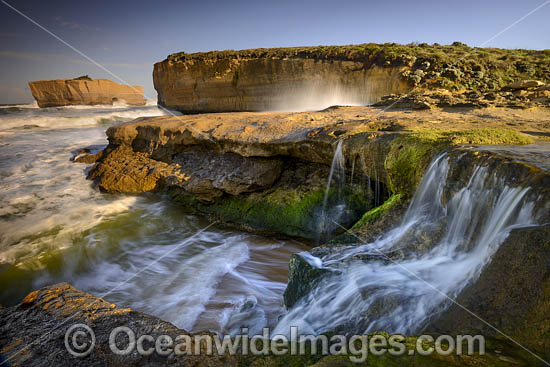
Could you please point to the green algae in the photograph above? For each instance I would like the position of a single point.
(374, 214)
(410, 153)
(286, 211)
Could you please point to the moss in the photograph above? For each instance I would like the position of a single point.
(372, 215)
(513, 354)
(285, 211)
(410, 154)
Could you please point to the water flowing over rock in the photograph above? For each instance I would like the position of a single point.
(68, 92)
(475, 226)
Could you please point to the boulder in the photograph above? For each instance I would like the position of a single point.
(524, 84)
(33, 332)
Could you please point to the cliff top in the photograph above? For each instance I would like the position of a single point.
(458, 65)
(84, 78)
(368, 51)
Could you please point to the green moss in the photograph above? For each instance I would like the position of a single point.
(283, 210)
(490, 358)
(372, 215)
(410, 153)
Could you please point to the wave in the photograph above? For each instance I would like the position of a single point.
(72, 116)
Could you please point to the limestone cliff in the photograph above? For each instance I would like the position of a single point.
(266, 84)
(84, 91)
(312, 78)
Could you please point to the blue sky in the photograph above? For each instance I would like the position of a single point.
(127, 37)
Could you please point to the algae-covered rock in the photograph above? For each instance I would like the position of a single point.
(302, 277)
(410, 154)
(297, 205)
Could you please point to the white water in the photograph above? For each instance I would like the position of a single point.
(54, 226)
(318, 95)
(435, 252)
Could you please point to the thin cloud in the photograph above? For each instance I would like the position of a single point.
(29, 56)
(68, 24)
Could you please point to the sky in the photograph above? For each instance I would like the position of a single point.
(128, 37)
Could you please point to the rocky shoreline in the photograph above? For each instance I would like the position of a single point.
(267, 173)
(276, 166)
(47, 314)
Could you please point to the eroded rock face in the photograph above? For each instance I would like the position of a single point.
(33, 333)
(269, 171)
(66, 92)
(267, 84)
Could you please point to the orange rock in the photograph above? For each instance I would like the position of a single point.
(65, 92)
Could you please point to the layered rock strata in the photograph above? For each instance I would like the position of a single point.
(309, 78)
(68, 92)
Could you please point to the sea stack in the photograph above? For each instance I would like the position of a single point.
(84, 91)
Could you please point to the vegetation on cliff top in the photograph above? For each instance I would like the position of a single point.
(452, 67)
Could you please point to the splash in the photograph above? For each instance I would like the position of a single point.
(318, 95)
(439, 248)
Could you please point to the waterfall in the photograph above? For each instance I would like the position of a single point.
(397, 282)
(338, 175)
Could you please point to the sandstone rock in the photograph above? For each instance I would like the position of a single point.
(123, 170)
(64, 92)
(212, 173)
(33, 333)
(525, 84)
(261, 83)
(86, 156)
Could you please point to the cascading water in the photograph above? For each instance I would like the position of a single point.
(397, 282)
(336, 181)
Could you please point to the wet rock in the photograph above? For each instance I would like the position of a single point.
(224, 173)
(123, 170)
(302, 277)
(512, 294)
(33, 333)
(86, 156)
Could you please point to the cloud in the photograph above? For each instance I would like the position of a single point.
(22, 55)
(68, 24)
